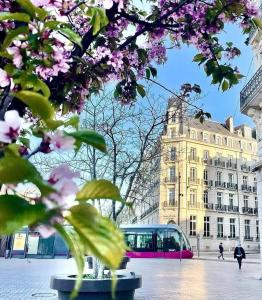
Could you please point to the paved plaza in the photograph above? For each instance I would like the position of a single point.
(162, 279)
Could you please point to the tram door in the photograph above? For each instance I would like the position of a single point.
(46, 247)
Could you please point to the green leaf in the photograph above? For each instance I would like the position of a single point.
(141, 90)
(153, 71)
(16, 212)
(98, 18)
(32, 10)
(99, 189)
(15, 169)
(43, 87)
(71, 35)
(257, 22)
(78, 251)
(89, 137)
(225, 85)
(100, 236)
(12, 34)
(14, 17)
(38, 104)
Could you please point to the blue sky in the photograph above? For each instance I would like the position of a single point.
(180, 69)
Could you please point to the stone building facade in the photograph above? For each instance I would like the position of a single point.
(204, 182)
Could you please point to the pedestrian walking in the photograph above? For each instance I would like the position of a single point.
(239, 254)
(221, 251)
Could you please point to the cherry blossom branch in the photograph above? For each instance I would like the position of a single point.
(172, 92)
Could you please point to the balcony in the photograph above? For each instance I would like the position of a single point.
(231, 186)
(220, 163)
(194, 204)
(248, 238)
(246, 188)
(193, 180)
(233, 237)
(223, 237)
(170, 203)
(220, 184)
(170, 158)
(171, 179)
(233, 209)
(192, 158)
(231, 165)
(220, 207)
(251, 94)
(207, 161)
(245, 168)
(247, 210)
(209, 206)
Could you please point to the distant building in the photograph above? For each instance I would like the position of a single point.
(203, 181)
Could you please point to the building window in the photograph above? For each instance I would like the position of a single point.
(245, 180)
(172, 133)
(220, 228)
(193, 197)
(232, 223)
(256, 203)
(257, 230)
(230, 158)
(245, 201)
(193, 135)
(231, 200)
(205, 137)
(206, 155)
(230, 179)
(205, 175)
(172, 174)
(229, 143)
(171, 197)
(205, 196)
(219, 199)
(172, 153)
(219, 177)
(193, 174)
(206, 226)
(255, 181)
(247, 229)
(218, 140)
(192, 231)
(173, 118)
(193, 153)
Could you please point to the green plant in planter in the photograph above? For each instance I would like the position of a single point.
(53, 56)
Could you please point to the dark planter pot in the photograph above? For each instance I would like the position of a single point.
(97, 289)
(122, 266)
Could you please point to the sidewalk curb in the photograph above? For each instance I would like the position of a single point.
(224, 261)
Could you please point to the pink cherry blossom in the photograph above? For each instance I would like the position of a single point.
(61, 173)
(4, 78)
(45, 231)
(58, 141)
(10, 127)
(17, 57)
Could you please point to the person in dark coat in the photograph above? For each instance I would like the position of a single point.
(221, 251)
(239, 254)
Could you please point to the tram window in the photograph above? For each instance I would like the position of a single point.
(144, 241)
(172, 241)
(130, 240)
(160, 237)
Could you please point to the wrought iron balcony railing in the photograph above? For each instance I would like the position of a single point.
(251, 89)
(247, 210)
(209, 206)
(221, 207)
(149, 210)
(233, 209)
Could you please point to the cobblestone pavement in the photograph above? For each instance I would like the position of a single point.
(162, 279)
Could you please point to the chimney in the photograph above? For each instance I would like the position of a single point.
(230, 124)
